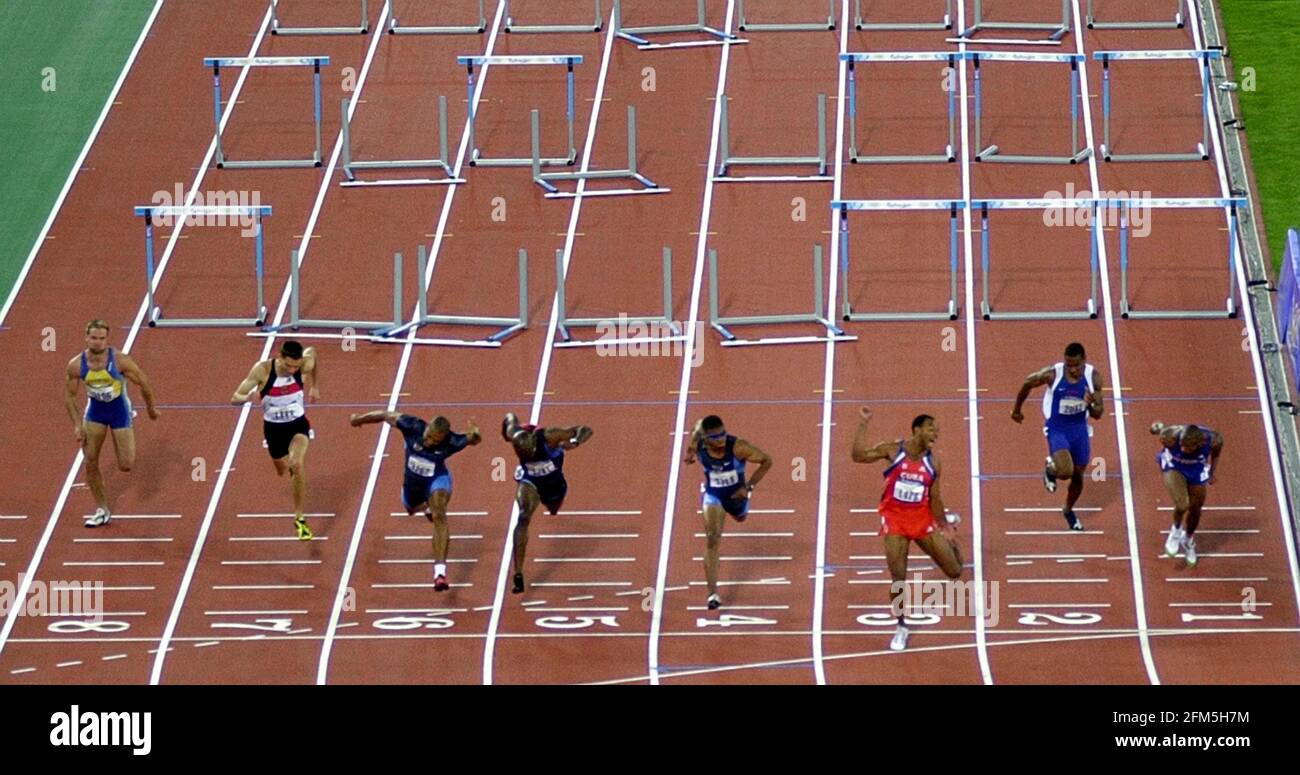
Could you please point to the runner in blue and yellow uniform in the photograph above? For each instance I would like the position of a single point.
(540, 476)
(1188, 456)
(104, 372)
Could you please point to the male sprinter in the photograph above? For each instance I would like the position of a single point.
(103, 371)
(540, 475)
(1073, 394)
(725, 489)
(910, 508)
(1188, 458)
(427, 483)
(283, 385)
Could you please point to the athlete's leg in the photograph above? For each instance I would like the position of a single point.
(1176, 484)
(714, 518)
(1075, 490)
(527, 498)
(124, 447)
(896, 547)
(95, 435)
(437, 510)
(296, 465)
(1195, 503)
(944, 553)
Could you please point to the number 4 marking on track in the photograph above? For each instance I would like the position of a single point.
(733, 620)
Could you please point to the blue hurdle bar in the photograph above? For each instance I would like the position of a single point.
(1094, 209)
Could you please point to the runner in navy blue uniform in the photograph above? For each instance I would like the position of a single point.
(426, 484)
(1188, 457)
(723, 458)
(1073, 395)
(540, 476)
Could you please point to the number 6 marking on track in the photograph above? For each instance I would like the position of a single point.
(415, 623)
(575, 623)
(71, 626)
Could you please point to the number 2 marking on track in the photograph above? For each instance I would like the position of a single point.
(1075, 618)
(576, 622)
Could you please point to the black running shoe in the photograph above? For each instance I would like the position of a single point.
(519, 583)
(1072, 520)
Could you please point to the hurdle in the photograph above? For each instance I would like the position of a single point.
(844, 207)
(1058, 29)
(297, 321)
(1202, 152)
(476, 154)
(508, 327)
(279, 29)
(442, 162)
(216, 63)
(816, 26)
(949, 153)
(652, 323)
(595, 26)
(632, 171)
(635, 34)
(1095, 24)
(396, 28)
(1078, 152)
(149, 212)
(723, 324)
(1093, 206)
(862, 24)
(726, 160)
(1232, 206)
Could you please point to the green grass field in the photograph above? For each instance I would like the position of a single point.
(48, 114)
(1265, 35)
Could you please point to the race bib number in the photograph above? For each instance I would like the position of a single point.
(909, 492)
(283, 413)
(420, 467)
(102, 393)
(542, 468)
(1072, 406)
(721, 479)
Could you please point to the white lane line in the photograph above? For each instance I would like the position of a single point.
(600, 513)
(1046, 509)
(281, 515)
(298, 612)
(583, 584)
(589, 535)
(1201, 532)
(261, 539)
(270, 562)
(14, 517)
(22, 670)
(259, 587)
(1026, 562)
(1070, 555)
(1058, 581)
(431, 610)
(121, 540)
(1059, 605)
(742, 608)
(747, 559)
(129, 589)
(584, 559)
(579, 598)
(206, 644)
(138, 516)
(112, 657)
(1055, 533)
(581, 609)
(1216, 554)
(761, 511)
(1235, 604)
(1193, 579)
(121, 563)
(760, 583)
(752, 535)
(427, 561)
(467, 537)
(428, 585)
(1211, 508)
(449, 513)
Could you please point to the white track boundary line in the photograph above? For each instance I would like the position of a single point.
(972, 376)
(76, 166)
(683, 393)
(226, 467)
(1119, 410)
(828, 378)
(71, 479)
(1249, 312)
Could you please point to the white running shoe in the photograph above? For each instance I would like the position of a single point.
(1049, 476)
(714, 602)
(899, 641)
(1189, 550)
(1174, 540)
(102, 516)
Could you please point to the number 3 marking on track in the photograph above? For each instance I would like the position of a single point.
(889, 620)
(71, 626)
(1074, 618)
(576, 622)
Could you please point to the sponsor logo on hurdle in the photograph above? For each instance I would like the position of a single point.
(1077, 209)
(239, 215)
(88, 728)
(932, 600)
(80, 599)
(640, 338)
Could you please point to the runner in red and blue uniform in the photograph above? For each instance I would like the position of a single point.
(1188, 456)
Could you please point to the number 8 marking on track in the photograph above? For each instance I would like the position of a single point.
(76, 626)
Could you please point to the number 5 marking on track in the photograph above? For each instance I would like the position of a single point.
(576, 622)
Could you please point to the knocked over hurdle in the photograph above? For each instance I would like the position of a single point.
(258, 212)
(477, 158)
(1177, 23)
(745, 24)
(544, 179)
(723, 324)
(1125, 207)
(279, 29)
(651, 323)
(993, 153)
(216, 63)
(953, 206)
(727, 160)
(949, 154)
(1203, 59)
(634, 34)
(1058, 30)
(442, 162)
(862, 24)
(595, 26)
(395, 27)
(1091, 206)
(508, 326)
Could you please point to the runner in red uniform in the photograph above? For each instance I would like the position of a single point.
(910, 507)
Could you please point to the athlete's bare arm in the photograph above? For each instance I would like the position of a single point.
(697, 435)
(252, 383)
(1038, 379)
(936, 500)
(311, 373)
(472, 434)
(1216, 449)
(568, 438)
(1096, 406)
(71, 392)
(751, 454)
(1168, 434)
(369, 418)
(132, 371)
(863, 451)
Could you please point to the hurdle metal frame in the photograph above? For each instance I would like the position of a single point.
(508, 326)
(442, 162)
(156, 319)
(1203, 148)
(477, 159)
(395, 28)
(216, 63)
(665, 321)
(297, 321)
(953, 206)
(595, 26)
(634, 34)
(1177, 23)
(727, 160)
(632, 171)
(745, 24)
(950, 152)
(1089, 312)
(861, 24)
(1079, 151)
(278, 29)
(980, 23)
(723, 324)
(1233, 208)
